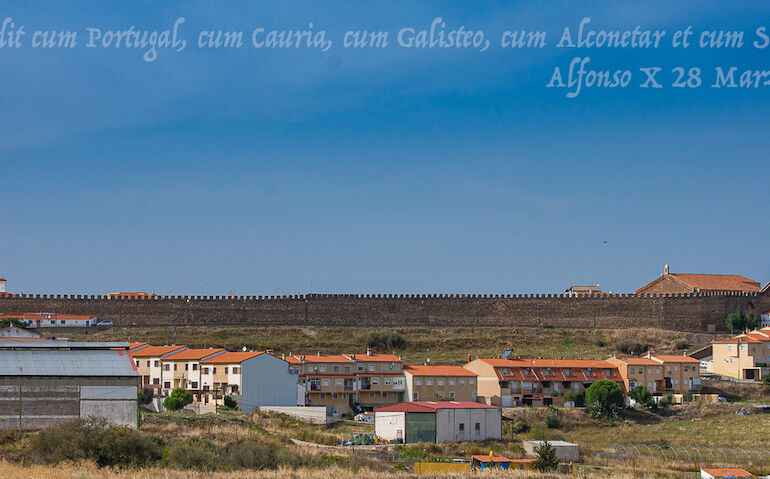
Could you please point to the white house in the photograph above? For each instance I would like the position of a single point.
(438, 421)
(53, 320)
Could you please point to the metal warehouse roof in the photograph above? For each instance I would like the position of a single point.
(431, 406)
(39, 362)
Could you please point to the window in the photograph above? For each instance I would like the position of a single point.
(206, 370)
(335, 396)
(236, 370)
(387, 381)
(336, 369)
(167, 367)
(440, 382)
(344, 396)
(347, 369)
(360, 367)
(384, 394)
(322, 369)
(417, 382)
(322, 396)
(451, 394)
(567, 372)
(206, 388)
(630, 370)
(451, 382)
(477, 427)
(62, 322)
(371, 368)
(225, 369)
(676, 369)
(461, 427)
(384, 368)
(148, 363)
(462, 382)
(137, 363)
(325, 383)
(186, 366)
(195, 366)
(371, 395)
(167, 385)
(429, 382)
(731, 359)
(195, 385)
(471, 382)
(156, 381)
(729, 347)
(440, 394)
(338, 383)
(743, 347)
(415, 396)
(214, 370)
(676, 382)
(375, 381)
(175, 365)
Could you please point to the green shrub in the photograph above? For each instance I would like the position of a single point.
(92, 439)
(385, 341)
(633, 348)
(573, 397)
(603, 398)
(552, 417)
(230, 402)
(546, 458)
(642, 395)
(600, 342)
(178, 399)
(193, 453)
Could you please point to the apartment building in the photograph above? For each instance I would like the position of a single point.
(536, 382)
(182, 369)
(252, 379)
(660, 374)
(745, 356)
(349, 382)
(148, 360)
(431, 383)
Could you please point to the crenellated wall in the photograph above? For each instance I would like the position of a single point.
(689, 312)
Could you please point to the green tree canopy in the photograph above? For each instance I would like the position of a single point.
(642, 395)
(546, 458)
(603, 398)
(178, 399)
(740, 321)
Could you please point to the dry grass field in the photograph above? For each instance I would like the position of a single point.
(445, 345)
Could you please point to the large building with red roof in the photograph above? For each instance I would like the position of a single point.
(350, 382)
(661, 374)
(537, 382)
(745, 356)
(438, 383)
(680, 283)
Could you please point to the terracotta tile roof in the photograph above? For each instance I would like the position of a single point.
(738, 339)
(727, 472)
(232, 358)
(756, 336)
(193, 354)
(155, 351)
(431, 406)
(638, 361)
(719, 282)
(438, 371)
(343, 358)
(482, 458)
(136, 345)
(674, 358)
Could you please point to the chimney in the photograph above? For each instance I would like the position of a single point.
(665, 269)
(319, 353)
(368, 351)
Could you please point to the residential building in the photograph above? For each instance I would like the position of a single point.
(536, 382)
(678, 283)
(3, 292)
(764, 319)
(349, 382)
(432, 383)
(252, 379)
(437, 421)
(148, 360)
(182, 369)
(745, 356)
(586, 291)
(660, 374)
(46, 383)
(53, 320)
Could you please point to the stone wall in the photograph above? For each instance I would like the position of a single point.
(689, 312)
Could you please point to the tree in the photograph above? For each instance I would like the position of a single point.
(16, 322)
(752, 321)
(578, 399)
(546, 458)
(603, 398)
(642, 395)
(738, 320)
(178, 399)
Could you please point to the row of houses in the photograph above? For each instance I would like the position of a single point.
(53, 320)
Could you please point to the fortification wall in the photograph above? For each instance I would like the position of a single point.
(688, 312)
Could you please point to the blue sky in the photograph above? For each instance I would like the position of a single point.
(394, 170)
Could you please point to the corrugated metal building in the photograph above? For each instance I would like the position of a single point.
(438, 421)
(42, 384)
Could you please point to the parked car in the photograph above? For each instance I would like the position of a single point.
(104, 323)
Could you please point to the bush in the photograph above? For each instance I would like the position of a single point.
(193, 453)
(603, 398)
(642, 395)
(552, 417)
(178, 399)
(600, 342)
(230, 402)
(633, 348)
(681, 345)
(573, 397)
(93, 440)
(385, 341)
(546, 458)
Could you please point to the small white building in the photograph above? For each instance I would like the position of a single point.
(437, 421)
(53, 320)
(565, 451)
(764, 320)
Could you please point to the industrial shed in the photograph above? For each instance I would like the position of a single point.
(45, 383)
(437, 421)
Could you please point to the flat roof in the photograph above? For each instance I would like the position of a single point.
(76, 362)
(46, 344)
(431, 406)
